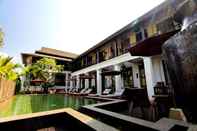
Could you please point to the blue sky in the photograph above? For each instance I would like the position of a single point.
(70, 25)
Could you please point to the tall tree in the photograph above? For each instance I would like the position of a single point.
(44, 69)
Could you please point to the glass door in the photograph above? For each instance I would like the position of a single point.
(142, 76)
(128, 78)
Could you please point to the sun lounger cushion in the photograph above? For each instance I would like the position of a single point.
(83, 90)
(88, 91)
(107, 91)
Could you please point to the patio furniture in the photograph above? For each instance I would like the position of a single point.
(83, 90)
(139, 104)
(79, 93)
(68, 89)
(104, 93)
(71, 90)
(115, 95)
(88, 91)
(163, 103)
(161, 89)
(162, 99)
(107, 91)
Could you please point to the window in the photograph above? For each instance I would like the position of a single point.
(94, 59)
(108, 53)
(84, 61)
(89, 60)
(119, 47)
(151, 30)
(133, 38)
(145, 33)
(127, 75)
(112, 52)
(139, 36)
(104, 55)
(125, 45)
(101, 56)
(142, 76)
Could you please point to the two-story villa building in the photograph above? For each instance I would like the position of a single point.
(131, 57)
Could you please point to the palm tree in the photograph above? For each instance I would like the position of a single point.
(8, 68)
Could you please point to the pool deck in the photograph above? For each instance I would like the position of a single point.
(87, 120)
(101, 109)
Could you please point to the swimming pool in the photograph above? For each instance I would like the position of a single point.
(23, 104)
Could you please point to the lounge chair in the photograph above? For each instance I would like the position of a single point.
(83, 92)
(105, 92)
(116, 94)
(86, 92)
(72, 90)
(78, 93)
(67, 90)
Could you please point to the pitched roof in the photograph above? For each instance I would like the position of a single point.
(41, 55)
(55, 52)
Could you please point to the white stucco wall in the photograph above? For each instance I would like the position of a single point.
(158, 72)
(107, 63)
(148, 66)
(153, 71)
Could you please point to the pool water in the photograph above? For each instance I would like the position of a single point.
(23, 104)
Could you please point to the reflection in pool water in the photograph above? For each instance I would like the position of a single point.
(23, 104)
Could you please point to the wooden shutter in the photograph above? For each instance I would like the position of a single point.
(133, 38)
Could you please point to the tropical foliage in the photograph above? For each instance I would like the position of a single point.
(8, 69)
(44, 70)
